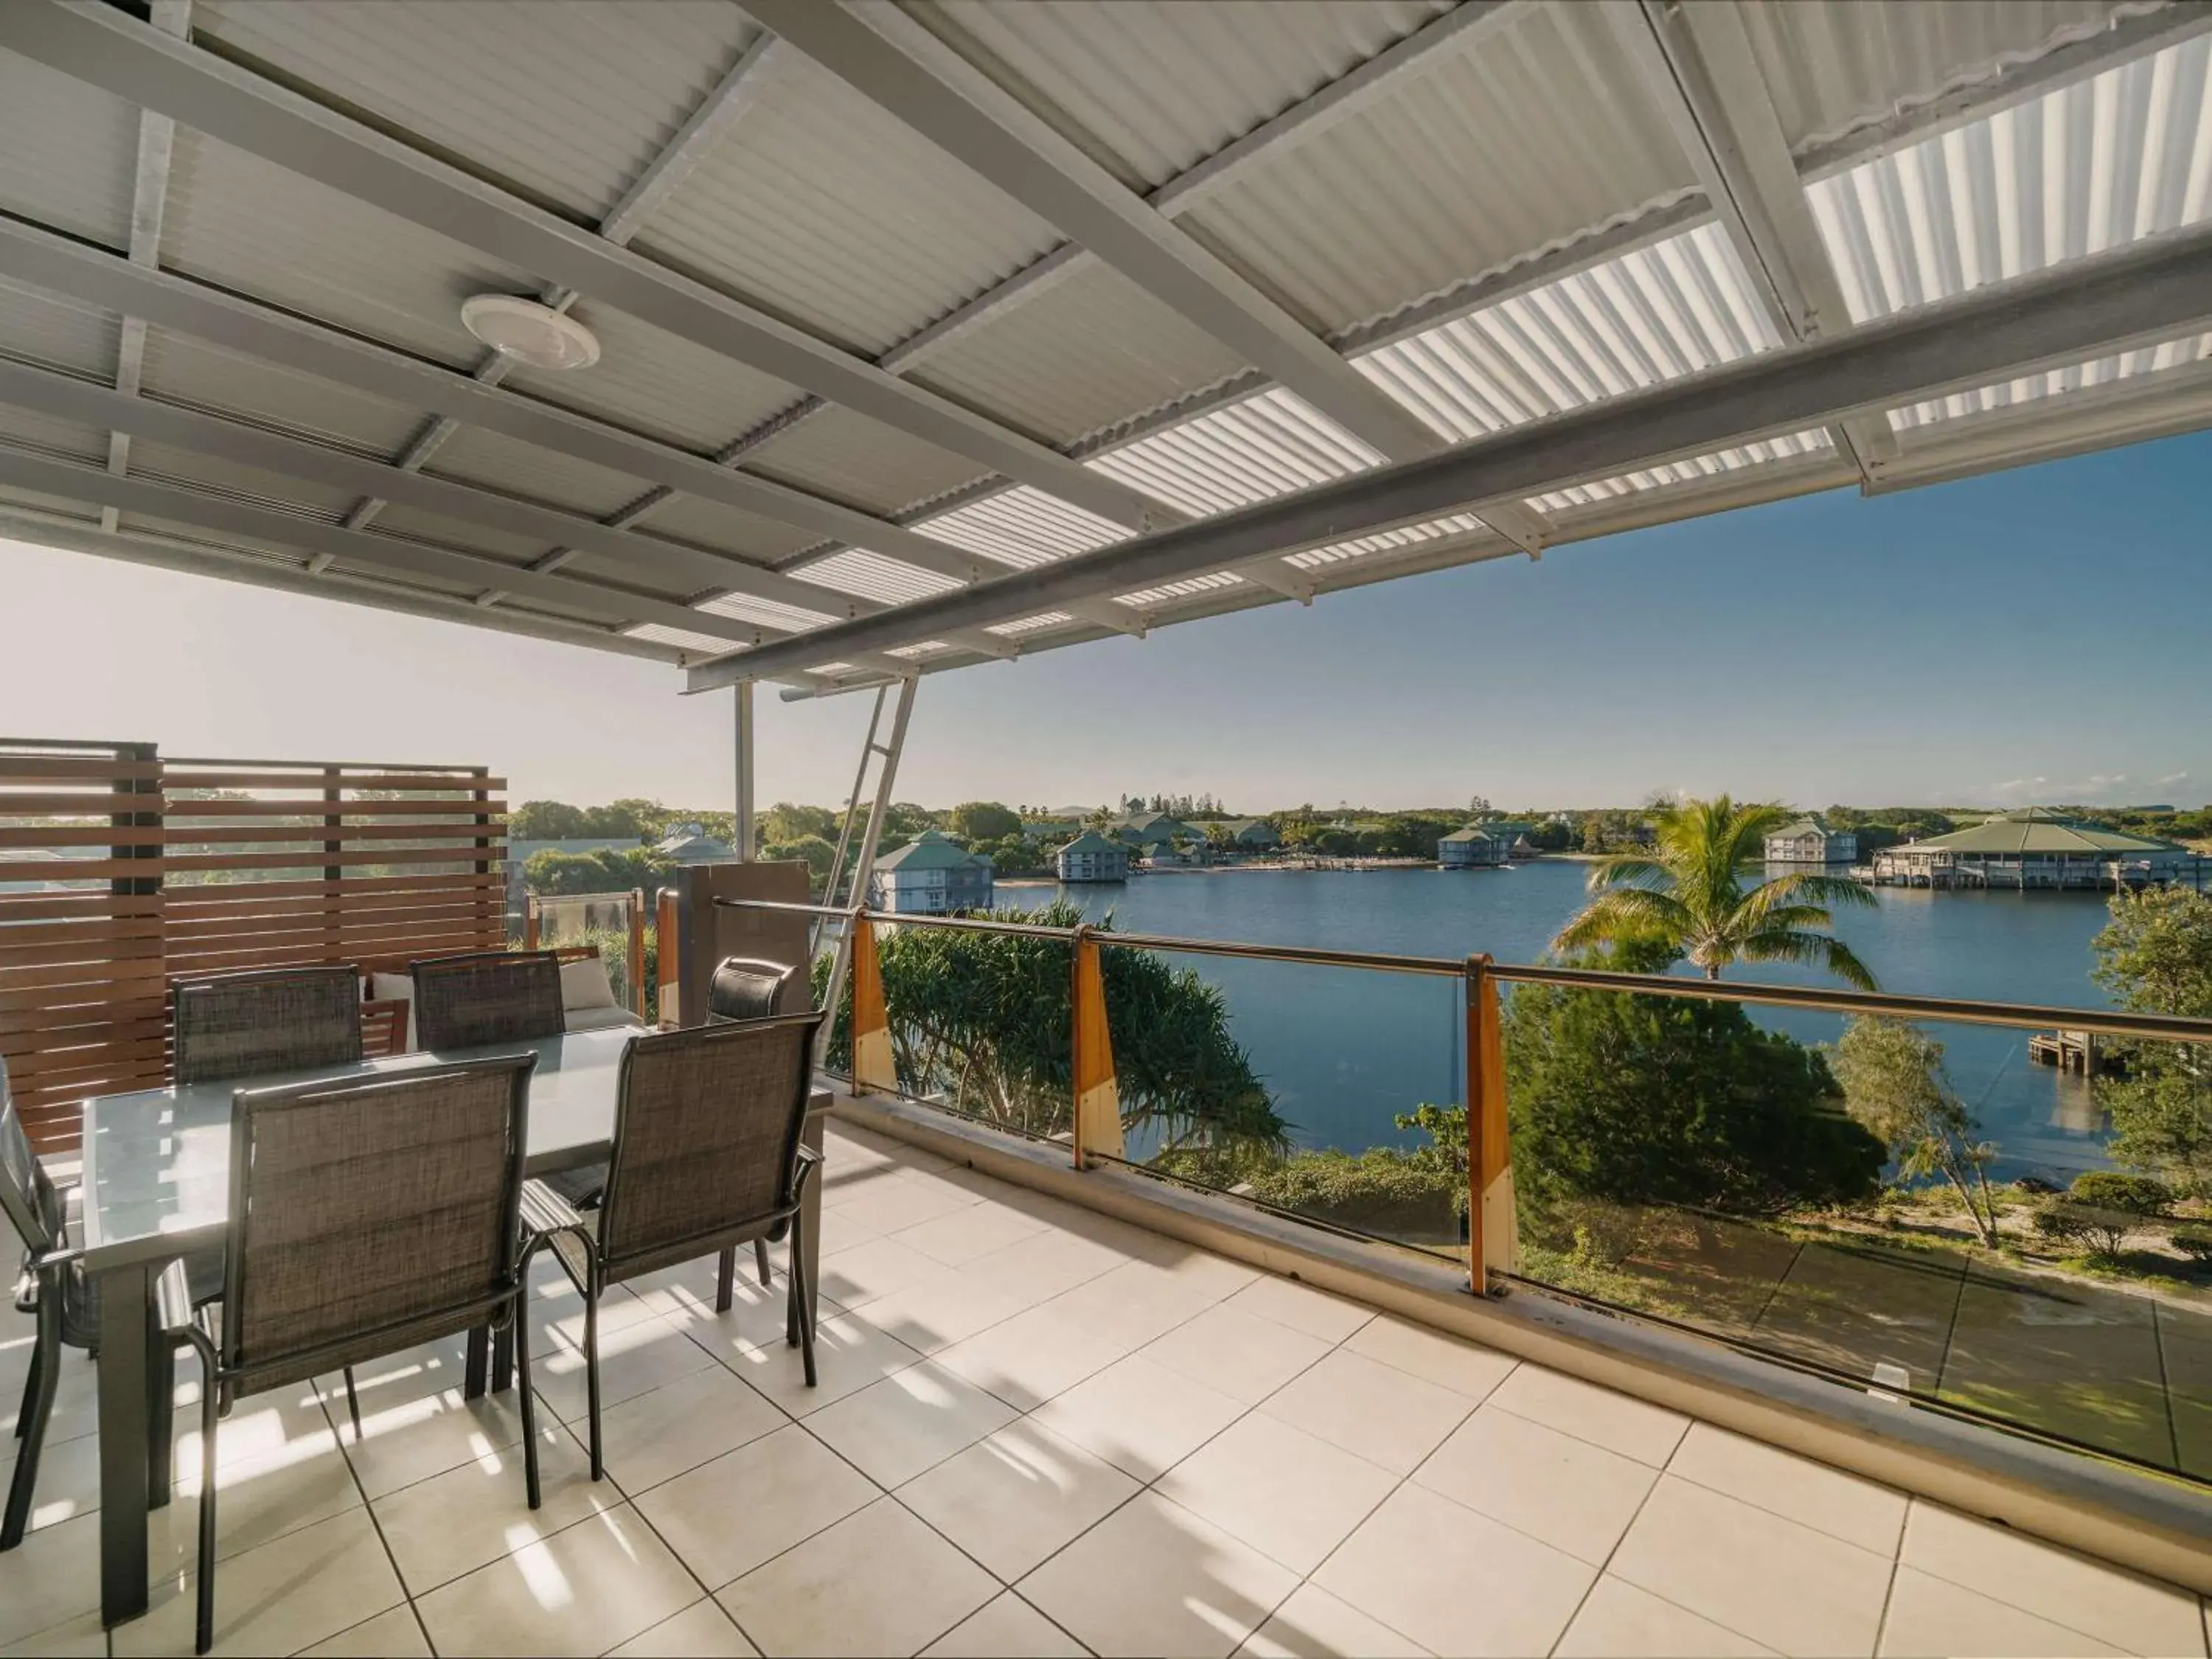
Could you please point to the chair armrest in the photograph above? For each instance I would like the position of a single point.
(172, 1303)
(809, 1161)
(544, 1210)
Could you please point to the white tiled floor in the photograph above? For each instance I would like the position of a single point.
(1038, 1432)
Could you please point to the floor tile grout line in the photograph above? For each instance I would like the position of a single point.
(1606, 1565)
(376, 1521)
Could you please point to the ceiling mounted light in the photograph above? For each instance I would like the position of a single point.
(530, 333)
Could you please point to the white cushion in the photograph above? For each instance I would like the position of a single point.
(597, 1019)
(584, 984)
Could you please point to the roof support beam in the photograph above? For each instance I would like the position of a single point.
(1700, 70)
(362, 548)
(131, 546)
(149, 195)
(105, 48)
(74, 272)
(894, 62)
(2152, 290)
(70, 398)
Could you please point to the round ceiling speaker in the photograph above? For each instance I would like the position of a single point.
(530, 332)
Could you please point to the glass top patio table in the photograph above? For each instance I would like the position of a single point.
(157, 1162)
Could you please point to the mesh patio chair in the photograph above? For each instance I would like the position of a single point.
(743, 988)
(486, 997)
(707, 1155)
(242, 1025)
(54, 1288)
(367, 1215)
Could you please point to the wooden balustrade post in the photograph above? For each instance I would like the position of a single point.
(875, 1066)
(1493, 1231)
(665, 957)
(530, 921)
(1097, 1098)
(637, 951)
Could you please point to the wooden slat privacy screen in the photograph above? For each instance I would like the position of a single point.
(121, 872)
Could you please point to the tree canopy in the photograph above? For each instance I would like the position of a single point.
(2155, 955)
(1669, 1100)
(974, 821)
(1689, 893)
(607, 870)
(1895, 1083)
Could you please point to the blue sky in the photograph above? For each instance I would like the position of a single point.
(2038, 635)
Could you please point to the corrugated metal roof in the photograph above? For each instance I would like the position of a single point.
(1151, 598)
(832, 213)
(1655, 315)
(1016, 629)
(1021, 527)
(1834, 66)
(567, 103)
(1528, 137)
(1412, 535)
(1086, 353)
(40, 328)
(1150, 87)
(1693, 471)
(870, 576)
(69, 153)
(855, 459)
(651, 382)
(44, 434)
(251, 225)
(213, 475)
(468, 536)
(2092, 166)
(491, 460)
(2102, 162)
(789, 617)
(705, 645)
(180, 369)
(1231, 457)
(725, 529)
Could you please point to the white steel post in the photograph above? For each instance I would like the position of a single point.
(742, 840)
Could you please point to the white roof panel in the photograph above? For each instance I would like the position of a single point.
(828, 211)
(870, 576)
(180, 369)
(68, 153)
(1021, 527)
(43, 328)
(568, 103)
(1231, 457)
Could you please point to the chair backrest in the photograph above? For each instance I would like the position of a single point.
(289, 1020)
(368, 1214)
(29, 1197)
(707, 1130)
(383, 1026)
(486, 997)
(744, 988)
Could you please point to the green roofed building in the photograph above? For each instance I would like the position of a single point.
(2035, 848)
(931, 876)
(1092, 857)
(1471, 848)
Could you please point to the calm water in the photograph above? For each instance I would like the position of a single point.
(1343, 1049)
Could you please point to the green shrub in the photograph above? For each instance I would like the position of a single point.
(2098, 1232)
(2194, 1240)
(2132, 1194)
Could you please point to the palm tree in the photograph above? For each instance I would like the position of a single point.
(1689, 892)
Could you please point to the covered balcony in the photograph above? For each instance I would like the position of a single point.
(829, 348)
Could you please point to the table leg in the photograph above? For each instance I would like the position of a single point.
(125, 1397)
(811, 1205)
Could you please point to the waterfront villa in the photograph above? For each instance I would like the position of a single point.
(2034, 847)
(1092, 857)
(1808, 841)
(1148, 832)
(1253, 835)
(932, 875)
(1473, 848)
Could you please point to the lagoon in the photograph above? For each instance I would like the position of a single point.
(1343, 1049)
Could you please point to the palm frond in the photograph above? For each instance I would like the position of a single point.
(1802, 886)
(1627, 869)
(1620, 913)
(1795, 945)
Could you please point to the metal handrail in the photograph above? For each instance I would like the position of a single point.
(2116, 1023)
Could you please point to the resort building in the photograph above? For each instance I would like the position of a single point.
(689, 843)
(1514, 834)
(1473, 848)
(1253, 835)
(1808, 841)
(1092, 857)
(931, 876)
(1051, 828)
(2035, 848)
